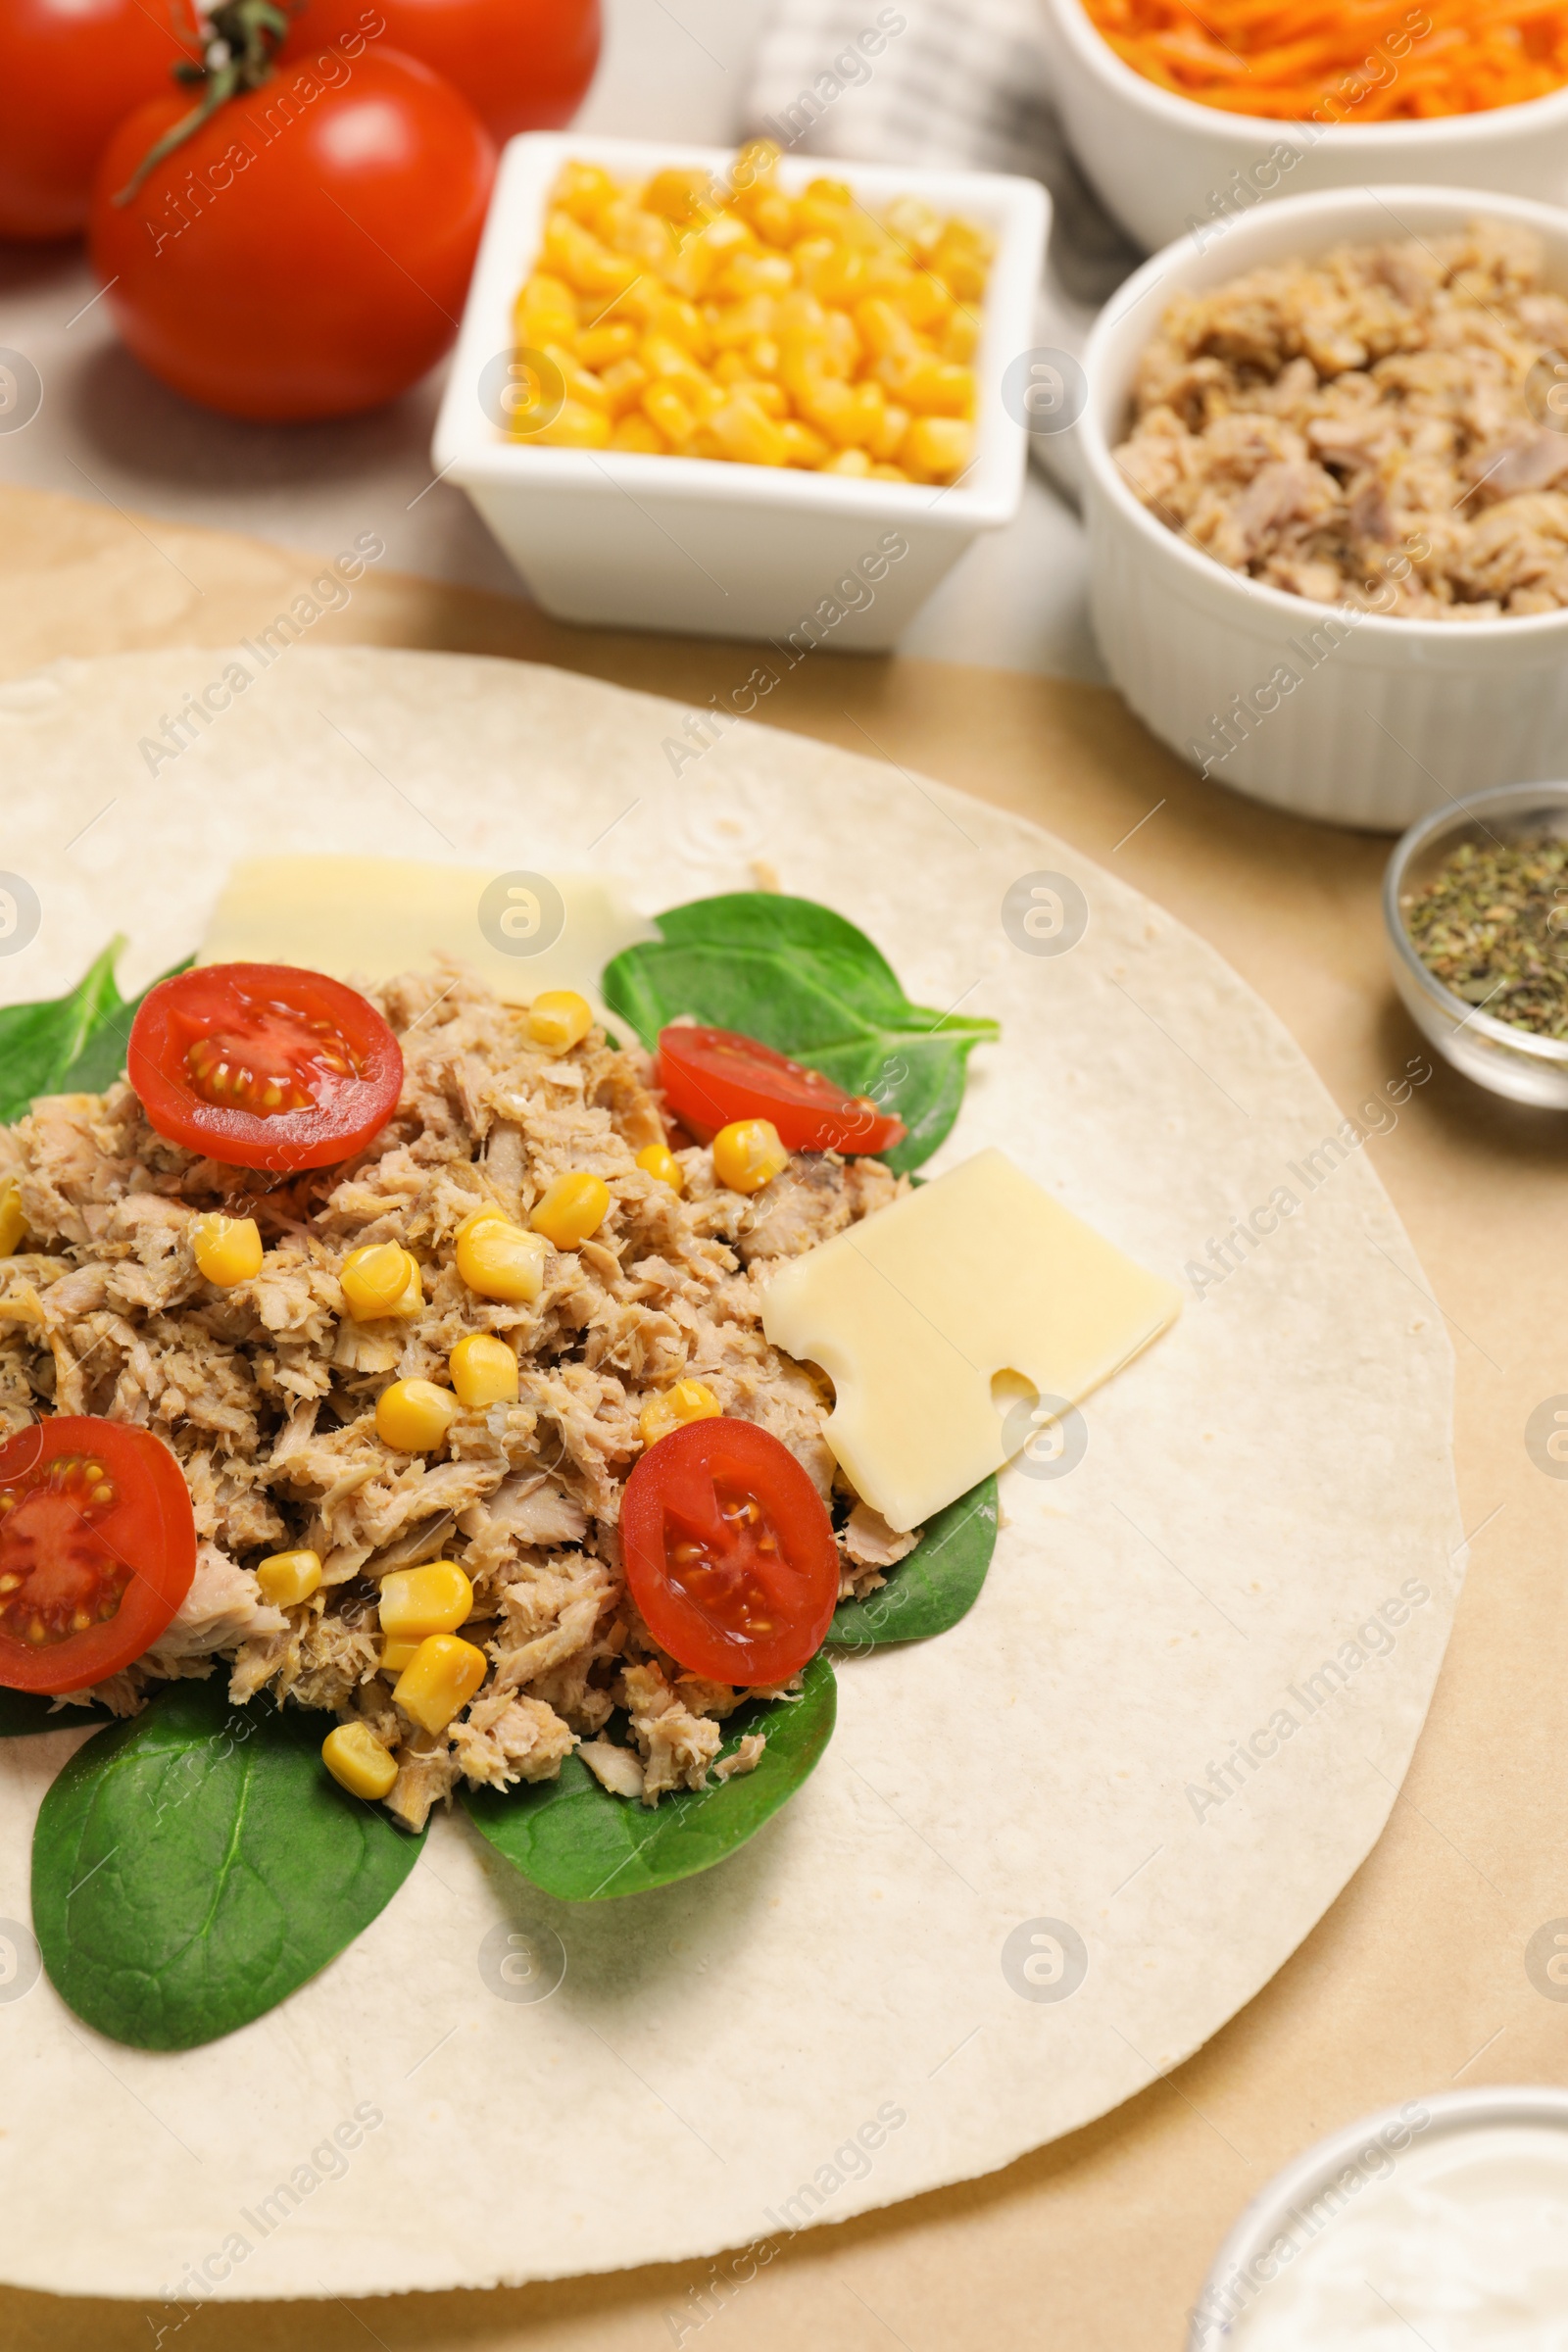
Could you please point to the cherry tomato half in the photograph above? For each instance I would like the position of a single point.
(97, 1550)
(730, 1552)
(69, 70)
(263, 1065)
(304, 253)
(712, 1076)
(522, 65)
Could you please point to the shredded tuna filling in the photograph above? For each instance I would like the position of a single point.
(1386, 426)
(267, 1393)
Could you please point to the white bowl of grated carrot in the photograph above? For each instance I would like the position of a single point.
(627, 536)
(1170, 165)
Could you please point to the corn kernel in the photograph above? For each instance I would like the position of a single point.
(439, 1680)
(289, 1577)
(932, 387)
(804, 445)
(577, 254)
(747, 1153)
(731, 326)
(382, 1279)
(961, 260)
(13, 1224)
(888, 473)
(747, 434)
(884, 443)
(624, 382)
(484, 1371)
(575, 425)
(664, 408)
(227, 1249)
(560, 1019)
(852, 461)
(581, 382)
(772, 214)
(584, 190)
(659, 1162)
(413, 1416)
(418, 1601)
(599, 347)
(546, 311)
(961, 339)
(498, 1259)
(639, 435)
(358, 1762)
(687, 1400)
(395, 1655)
(935, 449)
(747, 274)
(678, 194)
(626, 227)
(574, 1207)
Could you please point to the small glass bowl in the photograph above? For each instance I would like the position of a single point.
(1511, 1062)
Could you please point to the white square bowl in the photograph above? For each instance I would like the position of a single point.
(621, 540)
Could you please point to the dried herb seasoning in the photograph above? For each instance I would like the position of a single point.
(1492, 926)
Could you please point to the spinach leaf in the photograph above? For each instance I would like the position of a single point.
(574, 1839)
(74, 1044)
(808, 983)
(40, 1042)
(24, 1711)
(933, 1585)
(193, 1866)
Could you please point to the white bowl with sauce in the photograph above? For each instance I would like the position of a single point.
(1169, 167)
(1441, 2222)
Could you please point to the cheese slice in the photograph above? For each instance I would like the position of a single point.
(914, 1314)
(371, 918)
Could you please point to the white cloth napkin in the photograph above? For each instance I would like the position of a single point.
(963, 84)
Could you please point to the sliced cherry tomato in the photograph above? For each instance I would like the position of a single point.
(712, 1076)
(263, 1065)
(730, 1552)
(97, 1550)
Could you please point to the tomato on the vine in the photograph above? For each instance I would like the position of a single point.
(69, 70)
(97, 1550)
(730, 1552)
(522, 65)
(264, 1066)
(710, 1077)
(305, 252)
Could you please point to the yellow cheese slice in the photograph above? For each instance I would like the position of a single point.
(914, 1314)
(371, 918)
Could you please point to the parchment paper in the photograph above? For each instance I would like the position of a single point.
(1254, 1493)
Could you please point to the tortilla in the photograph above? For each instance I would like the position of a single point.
(1034, 1869)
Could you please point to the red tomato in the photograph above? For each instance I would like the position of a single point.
(522, 65)
(730, 1552)
(261, 1066)
(306, 253)
(712, 1076)
(97, 1550)
(69, 70)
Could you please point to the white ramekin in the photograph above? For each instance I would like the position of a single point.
(1388, 717)
(718, 550)
(1239, 2269)
(1163, 164)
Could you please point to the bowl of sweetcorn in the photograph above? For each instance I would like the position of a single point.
(741, 396)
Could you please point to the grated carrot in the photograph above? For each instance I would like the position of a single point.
(1343, 61)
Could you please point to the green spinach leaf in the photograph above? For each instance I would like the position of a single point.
(574, 1839)
(808, 983)
(74, 1044)
(26, 1711)
(195, 1865)
(933, 1585)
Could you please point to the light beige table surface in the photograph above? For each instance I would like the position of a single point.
(1416, 1980)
